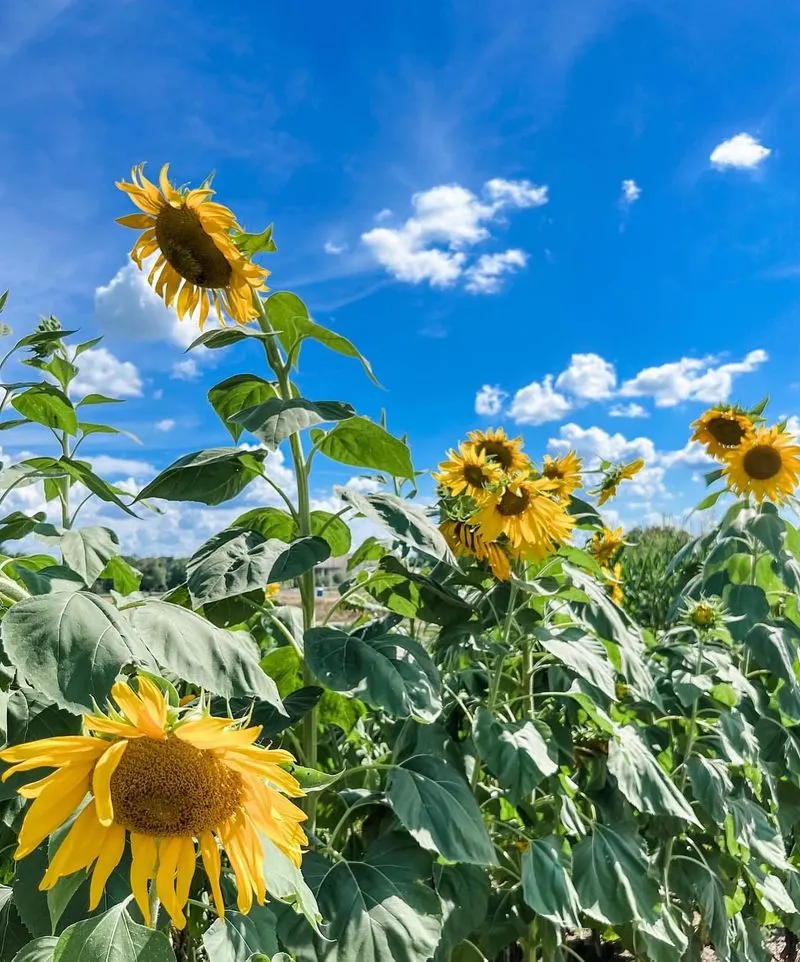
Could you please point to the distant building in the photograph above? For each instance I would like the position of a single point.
(331, 573)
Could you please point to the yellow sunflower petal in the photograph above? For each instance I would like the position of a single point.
(144, 854)
(101, 781)
(169, 850)
(53, 807)
(212, 865)
(137, 711)
(185, 869)
(107, 861)
(78, 850)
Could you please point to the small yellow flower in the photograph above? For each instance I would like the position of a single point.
(468, 472)
(765, 465)
(610, 484)
(197, 261)
(721, 429)
(164, 781)
(527, 514)
(466, 541)
(605, 544)
(272, 591)
(564, 472)
(507, 452)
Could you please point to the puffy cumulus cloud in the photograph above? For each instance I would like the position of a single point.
(594, 444)
(632, 410)
(101, 372)
(447, 220)
(166, 424)
(742, 151)
(691, 379)
(186, 370)
(589, 377)
(489, 400)
(486, 275)
(693, 454)
(111, 467)
(631, 192)
(538, 402)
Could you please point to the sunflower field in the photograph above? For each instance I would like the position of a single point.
(494, 756)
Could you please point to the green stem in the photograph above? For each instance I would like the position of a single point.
(63, 486)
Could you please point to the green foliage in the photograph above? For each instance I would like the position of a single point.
(649, 584)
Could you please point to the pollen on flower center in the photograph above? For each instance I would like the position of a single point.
(726, 431)
(170, 788)
(762, 462)
(513, 504)
(189, 249)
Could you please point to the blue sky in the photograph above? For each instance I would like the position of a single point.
(448, 186)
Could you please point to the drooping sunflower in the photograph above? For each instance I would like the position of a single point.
(166, 779)
(564, 472)
(468, 471)
(721, 429)
(610, 484)
(507, 452)
(765, 465)
(197, 261)
(466, 541)
(605, 544)
(527, 514)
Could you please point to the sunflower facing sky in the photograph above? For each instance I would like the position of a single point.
(766, 465)
(565, 472)
(721, 429)
(527, 514)
(610, 484)
(165, 780)
(468, 471)
(504, 451)
(466, 541)
(197, 260)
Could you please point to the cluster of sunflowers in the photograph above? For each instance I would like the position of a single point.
(757, 461)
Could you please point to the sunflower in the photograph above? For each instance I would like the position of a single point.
(468, 472)
(721, 429)
(466, 541)
(527, 515)
(167, 780)
(605, 544)
(565, 472)
(765, 465)
(197, 261)
(507, 452)
(614, 583)
(611, 482)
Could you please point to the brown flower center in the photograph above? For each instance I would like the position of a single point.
(171, 788)
(762, 462)
(512, 504)
(189, 249)
(473, 475)
(553, 472)
(498, 451)
(726, 432)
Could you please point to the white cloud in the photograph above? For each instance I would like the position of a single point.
(693, 454)
(167, 424)
(594, 444)
(690, 379)
(589, 377)
(537, 403)
(485, 276)
(515, 193)
(447, 219)
(111, 467)
(631, 410)
(742, 151)
(185, 370)
(489, 400)
(331, 248)
(103, 373)
(631, 192)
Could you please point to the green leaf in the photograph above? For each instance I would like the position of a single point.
(611, 877)
(379, 909)
(546, 882)
(285, 882)
(711, 898)
(749, 603)
(406, 522)
(664, 940)
(738, 738)
(711, 785)
(72, 646)
(62, 370)
(275, 420)
(42, 338)
(299, 557)
(98, 399)
(195, 650)
(710, 500)
(113, 937)
(49, 580)
(13, 934)
(231, 563)
(85, 550)
(237, 937)
(752, 828)
(87, 345)
(269, 523)
(289, 316)
(464, 891)
(81, 471)
(435, 805)
(388, 671)
(210, 477)
(516, 753)
(89, 427)
(48, 405)
(236, 393)
(370, 549)
(216, 339)
(334, 530)
(125, 578)
(642, 780)
(583, 654)
(361, 442)
(40, 950)
(251, 244)
(775, 647)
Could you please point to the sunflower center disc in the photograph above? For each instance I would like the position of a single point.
(189, 249)
(171, 788)
(552, 472)
(498, 451)
(726, 432)
(762, 462)
(474, 476)
(513, 504)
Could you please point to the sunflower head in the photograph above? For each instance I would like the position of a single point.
(765, 465)
(722, 429)
(164, 777)
(468, 471)
(613, 575)
(465, 541)
(197, 261)
(612, 478)
(564, 472)
(705, 614)
(501, 450)
(525, 511)
(605, 544)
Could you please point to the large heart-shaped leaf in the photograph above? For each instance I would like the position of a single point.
(237, 937)
(113, 937)
(435, 805)
(583, 654)
(546, 882)
(86, 550)
(231, 563)
(13, 934)
(364, 444)
(389, 671)
(48, 405)
(464, 891)
(40, 950)
(516, 753)
(236, 393)
(210, 477)
(276, 419)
